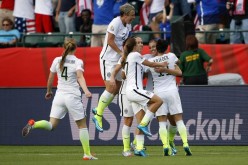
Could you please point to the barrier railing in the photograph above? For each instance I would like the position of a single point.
(56, 39)
(10, 35)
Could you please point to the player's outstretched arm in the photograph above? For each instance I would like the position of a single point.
(154, 64)
(82, 83)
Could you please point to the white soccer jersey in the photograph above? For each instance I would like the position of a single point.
(134, 77)
(134, 70)
(67, 78)
(149, 83)
(164, 81)
(123, 83)
(121, 33)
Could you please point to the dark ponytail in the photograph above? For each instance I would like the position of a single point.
(129, 44)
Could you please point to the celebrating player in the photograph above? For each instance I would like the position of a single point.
(125, 105)
(135, 93)
(68, 98)
(118, 31)
(165, 87)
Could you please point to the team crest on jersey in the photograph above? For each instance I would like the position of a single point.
(108, 74)
(112, 28)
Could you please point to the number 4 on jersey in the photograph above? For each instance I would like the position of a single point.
(64, 73)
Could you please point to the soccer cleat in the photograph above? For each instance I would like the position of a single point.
(87, 157)
(173, 147)
(26, 130)
(145, 130)
(127, 153)
(187, 151)
(94, 111)
(98, 127)
(168, 152)
(140, 153)
(132, 146)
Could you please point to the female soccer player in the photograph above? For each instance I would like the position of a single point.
(118, 31)
(135, 93)
(125, 105)
(165, 87)
(172, 128)
(69, 71)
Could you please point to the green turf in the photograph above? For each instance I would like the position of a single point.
(111, 155)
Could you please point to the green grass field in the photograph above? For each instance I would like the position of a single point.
(111, 155)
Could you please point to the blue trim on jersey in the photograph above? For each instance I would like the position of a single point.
(130, 34)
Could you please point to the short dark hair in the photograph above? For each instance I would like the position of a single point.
(86, 10)
(161, 46)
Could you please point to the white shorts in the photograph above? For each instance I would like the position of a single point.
(171, 103)
(139, 96)
(107, 68)
(128, 109)
(67, 102)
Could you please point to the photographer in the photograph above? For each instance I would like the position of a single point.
(238, 9)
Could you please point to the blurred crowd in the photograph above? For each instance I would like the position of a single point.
(19, 17)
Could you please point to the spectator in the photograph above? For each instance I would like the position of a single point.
(6, 10)
(24, 16)
(209, 15)
(238, 9)
(161, 22)
(142, 25)
(144, 14)
(117, 5)
(81, 5)
(14, 35)
(101, 20)
(43, 13)
(181, 7)
(156, 7)
(85, 27)
(65, 15)
(192, 63)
